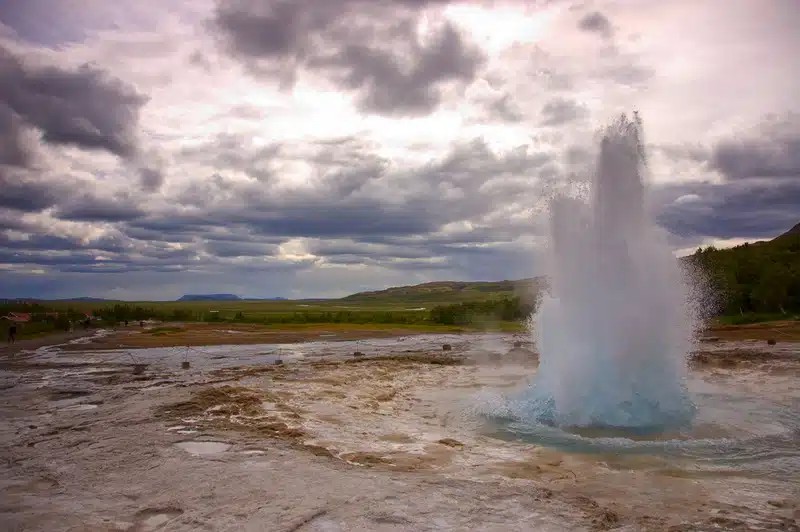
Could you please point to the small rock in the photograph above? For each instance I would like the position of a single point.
(278, 362)
(771, 341)
(447, 347)
(358, 354)
(450, 442)
(607, 519)
(517, 344)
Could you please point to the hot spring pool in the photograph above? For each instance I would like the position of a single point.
(736, 430)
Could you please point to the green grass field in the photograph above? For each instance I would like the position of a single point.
(255, 309)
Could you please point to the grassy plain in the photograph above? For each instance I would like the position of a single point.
(200, 334)
(254, 307)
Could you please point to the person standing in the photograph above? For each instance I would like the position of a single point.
(12, 333)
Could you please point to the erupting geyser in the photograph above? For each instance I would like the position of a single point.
(615, 328)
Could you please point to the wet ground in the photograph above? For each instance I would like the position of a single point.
(307, 436)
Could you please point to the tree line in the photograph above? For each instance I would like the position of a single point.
(474, 312)
(762, 277)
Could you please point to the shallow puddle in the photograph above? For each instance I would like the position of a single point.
(79, 407)
(156, 518)
(198, 448)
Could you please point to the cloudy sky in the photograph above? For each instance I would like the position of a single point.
(322, 147)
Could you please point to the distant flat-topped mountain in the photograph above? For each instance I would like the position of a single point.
(210, 297)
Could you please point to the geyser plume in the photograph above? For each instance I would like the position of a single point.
(614, 330)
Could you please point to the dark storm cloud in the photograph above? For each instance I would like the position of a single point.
(222, 248)
(760, 196)
(369, 47)
(45, 258)
(28, 193)
(471, 262)
(15, 148)
(90, 208)
(560, 111)
(387, 86)
(596, 22)
(354, 210)
(752, 208)
(105, 254)
(320, 218)
(177, 235)
(83, 107)
(353, 197)
(430, 252)
(768, 156)
(36, 242)
(172, 222)
(473, 163)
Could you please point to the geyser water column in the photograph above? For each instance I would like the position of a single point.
(615, 327)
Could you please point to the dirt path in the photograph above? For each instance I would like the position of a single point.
(207, 334)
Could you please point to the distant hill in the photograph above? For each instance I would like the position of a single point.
(209, 297)
(441, 291)
(792, 233)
